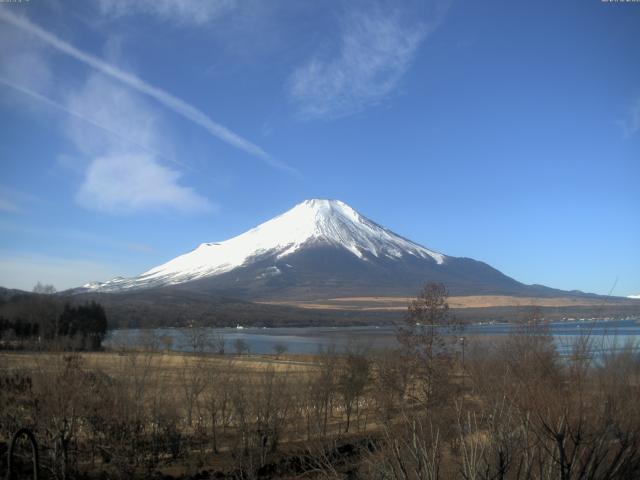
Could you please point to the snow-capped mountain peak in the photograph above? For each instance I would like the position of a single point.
(334, 222)
(316, 221)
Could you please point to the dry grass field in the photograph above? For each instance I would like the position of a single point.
(358, 415)
(472, 301)
(504, 408)
(168, 364)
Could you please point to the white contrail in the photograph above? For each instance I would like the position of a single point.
(178, 106)
(73, 113)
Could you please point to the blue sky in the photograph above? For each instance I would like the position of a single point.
(504, 131)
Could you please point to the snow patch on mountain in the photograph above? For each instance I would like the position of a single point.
(269, 272)
(636, 297)
(329, 222)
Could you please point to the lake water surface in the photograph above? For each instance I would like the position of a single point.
(604, 335)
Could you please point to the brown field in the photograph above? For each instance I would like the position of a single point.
(357, 415)
(471, 301)
(250, 395)
(169, 366)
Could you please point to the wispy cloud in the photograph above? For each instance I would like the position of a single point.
(9, 206)
(67, 234)
(123, 184)
(120, 179)
(631, 124)
(13, 200)
(376, 49)
(121, 136)
(175, 104)
(23, 60)
(110, 125)
(114, 129)
(187, 12)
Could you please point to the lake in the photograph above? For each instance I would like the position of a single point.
(606, 336)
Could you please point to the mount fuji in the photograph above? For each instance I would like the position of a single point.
(319, 249)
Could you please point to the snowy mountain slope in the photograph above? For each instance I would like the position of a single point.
(312, 222)
(319, 249)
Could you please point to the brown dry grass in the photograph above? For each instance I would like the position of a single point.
(471, 301)
(165, 365)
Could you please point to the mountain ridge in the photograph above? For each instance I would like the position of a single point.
(320, 248)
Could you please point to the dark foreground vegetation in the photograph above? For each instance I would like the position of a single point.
(176, 307)
(41, 321)
(499, 409)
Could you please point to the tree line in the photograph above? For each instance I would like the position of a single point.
(40, 320)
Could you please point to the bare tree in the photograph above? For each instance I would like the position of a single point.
(44, 289)
(60, 386)
(193, 381)
(241, 346)
(272, 407)
(218, 343)
(196, 336)
(425, 347)
(280, 349)
(391, 376)
(352, 381)
(217, 396)
(410, 450)
(166, 341)
(324, 387)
